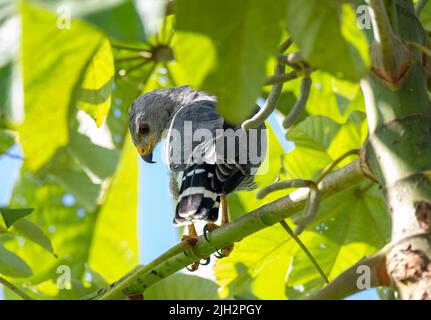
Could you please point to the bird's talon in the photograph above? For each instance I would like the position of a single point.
(207, 262)
(208, 228)
(218, 255)
(193, 267)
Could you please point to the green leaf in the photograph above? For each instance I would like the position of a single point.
(223, 47)
(13, 266)
(182, 287)
(350, 225)
(98, 160)
(115, 235)
(7, 139)
(54, 64)
(10, 216)
(94, 96)
(5, 92)
(33, 232)
(327, 35)
(119, 21)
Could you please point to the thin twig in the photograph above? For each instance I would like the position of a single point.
(334, 163)
(310, 212)
(300, 104)
(281, 78)
(15, 289)
(285, 45)
(305, 249)
(133, 68)
(420, 47)
(287, 184)
(270, 103)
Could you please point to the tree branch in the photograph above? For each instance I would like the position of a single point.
(188, 252)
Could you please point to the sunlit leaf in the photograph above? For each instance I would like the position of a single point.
(50, 80)
(94, 96)
(224, 45)
(182, 287)
(13, 266)
(33, 232)
(332, 41)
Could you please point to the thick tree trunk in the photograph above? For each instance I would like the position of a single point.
(398, 153)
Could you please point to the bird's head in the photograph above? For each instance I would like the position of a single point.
(151, 114)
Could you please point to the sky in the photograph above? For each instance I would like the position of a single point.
(156, 231)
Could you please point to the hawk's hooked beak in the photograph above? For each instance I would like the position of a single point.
(147, 157)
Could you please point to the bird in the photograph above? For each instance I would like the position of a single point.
(207, 157)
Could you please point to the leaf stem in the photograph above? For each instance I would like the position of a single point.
(15, 289)
(305, 249)
(420, 47)
(300, 104)
(270, 103)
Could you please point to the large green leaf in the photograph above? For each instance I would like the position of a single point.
(10, 215)
(182, 287)
(327, 35)
(33, 232)
(50, 80)
(7, 139)
(118, 19)
(224, 46)
(13, 266)
(94, 96)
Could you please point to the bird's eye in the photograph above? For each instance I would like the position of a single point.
(144, 129)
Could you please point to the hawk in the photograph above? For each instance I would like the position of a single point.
(208, 157)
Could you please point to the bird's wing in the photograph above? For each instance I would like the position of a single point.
(205, 169)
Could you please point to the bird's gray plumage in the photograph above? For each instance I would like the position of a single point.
(194, 185)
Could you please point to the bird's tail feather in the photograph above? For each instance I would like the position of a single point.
(198, 199)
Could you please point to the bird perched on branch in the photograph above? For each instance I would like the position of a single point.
(208, 157)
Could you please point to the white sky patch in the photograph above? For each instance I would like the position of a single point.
(99, 136)
(9, 39)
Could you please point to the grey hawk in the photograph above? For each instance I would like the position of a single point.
(208, 157)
